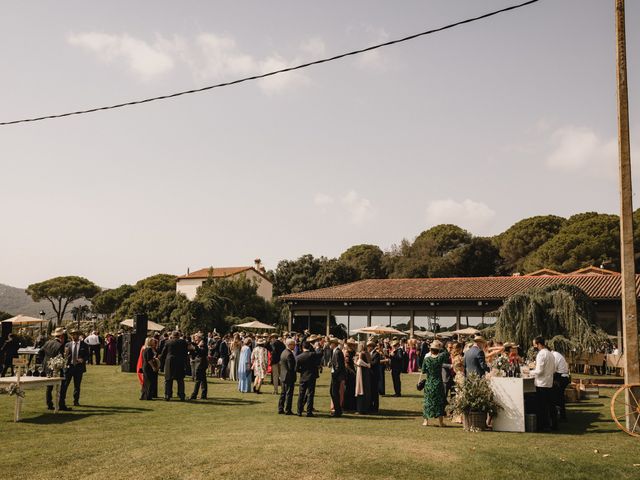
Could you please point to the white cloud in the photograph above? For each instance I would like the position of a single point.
(142, 58)
(359, 208)
(474, 216)
(322, 199)
(209, 57)
(580, 149)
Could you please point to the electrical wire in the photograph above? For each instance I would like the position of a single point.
(275, 72)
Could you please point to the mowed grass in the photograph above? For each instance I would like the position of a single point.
(233, 435)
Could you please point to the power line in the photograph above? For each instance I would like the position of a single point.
(275, 72)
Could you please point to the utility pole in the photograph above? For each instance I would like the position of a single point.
(629, 298)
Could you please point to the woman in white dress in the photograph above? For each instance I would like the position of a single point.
(259, 364)
(234, 356)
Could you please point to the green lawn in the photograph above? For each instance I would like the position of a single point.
(235, 435)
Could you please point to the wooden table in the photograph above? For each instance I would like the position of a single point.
(30, 383)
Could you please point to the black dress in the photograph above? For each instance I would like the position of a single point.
(363, 401)
(149, 377)
(349, 404)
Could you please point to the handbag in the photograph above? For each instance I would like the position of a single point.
(421, 382)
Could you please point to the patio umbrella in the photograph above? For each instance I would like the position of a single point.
(153, 326)
(379, 330)
(25, 320)
(467, 331)
(257, 325)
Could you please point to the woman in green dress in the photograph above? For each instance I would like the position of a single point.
(434, 399)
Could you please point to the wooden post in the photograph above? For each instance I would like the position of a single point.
(328, 323)
(412, 321)
(290, 318)
(309, 321)
(458, 319)
(629, 297)
(368, 318)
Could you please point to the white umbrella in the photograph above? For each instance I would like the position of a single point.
(379, 330)
(467, 331)
(153, 326)
(24, 320)
(257, 325)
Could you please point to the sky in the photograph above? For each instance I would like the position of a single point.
(479, 126)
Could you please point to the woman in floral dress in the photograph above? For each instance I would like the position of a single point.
(434, 398)
(259, 363)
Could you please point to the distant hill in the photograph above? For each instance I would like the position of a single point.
(15, 301)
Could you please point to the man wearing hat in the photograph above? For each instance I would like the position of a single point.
(338, 375)
(77, 353)
(276, 347)
(374, 376)
(51, 349)
(474, 360)
(174, 357)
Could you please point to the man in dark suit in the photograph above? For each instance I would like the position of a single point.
(396, 363)
(374, 376)
(77, 353)
(338, 375)
(9, 351)
(474, 361)
(307, 364)
(51, 349)
(223, 351)
(175, 358)
(287, 377)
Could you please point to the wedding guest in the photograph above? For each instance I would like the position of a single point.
(434, 395)
(77, 353)
(384, 363)
(8, 352)
(234, 355)
(287, 370)
(348, 387)
(223, 352)
(374, 376)
(259, 362)
(474, 359)
(338, 372)
(175, 359)
(413, 356)
(277, 348)
(396, 362)
(363, 380)
(110, 349)
(93, 340)
(200, 353)
(244, 367)
(52, 349)
(307, 364)
(150, 367)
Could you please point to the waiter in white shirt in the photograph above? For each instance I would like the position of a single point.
(94, 342)
(561, 379)
(543, 373)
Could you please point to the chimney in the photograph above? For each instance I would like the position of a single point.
(187, 270)
(258, 265)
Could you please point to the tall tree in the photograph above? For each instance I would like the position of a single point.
(161, 307)
(60, 291)
(161, 282)
(292, 276)
(586, 239)
(524, 237)
(366, 259)
(108, 301)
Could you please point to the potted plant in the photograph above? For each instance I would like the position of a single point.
(474, 401)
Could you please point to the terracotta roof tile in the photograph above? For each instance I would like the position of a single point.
(598, 287)
(217, 272)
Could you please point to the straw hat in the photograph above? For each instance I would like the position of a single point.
(436, 345)
(395, 343)
(479, 339)
(334, 341)
(58, 331)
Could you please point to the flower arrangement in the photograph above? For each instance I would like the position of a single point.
(473, 395)
(501, 364)
(57, 364)
(13, 389)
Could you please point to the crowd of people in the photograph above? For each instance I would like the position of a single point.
(357, 369)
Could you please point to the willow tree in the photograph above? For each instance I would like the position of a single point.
(559, 310)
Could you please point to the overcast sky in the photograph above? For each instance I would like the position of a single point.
(479, 126)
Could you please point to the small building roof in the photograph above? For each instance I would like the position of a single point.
(591, 270)
(542, 272)
(220, 272)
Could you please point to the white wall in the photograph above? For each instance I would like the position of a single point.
(189, 286)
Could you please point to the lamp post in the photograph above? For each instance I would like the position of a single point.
(42, 314)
